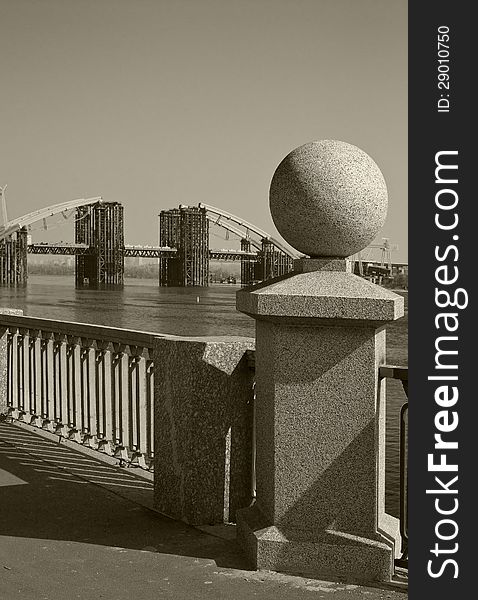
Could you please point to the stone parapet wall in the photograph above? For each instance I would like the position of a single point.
(203, 428)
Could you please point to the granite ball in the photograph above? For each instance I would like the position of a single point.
(328, 198)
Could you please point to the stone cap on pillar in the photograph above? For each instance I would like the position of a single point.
(328, 199)
(321, 295)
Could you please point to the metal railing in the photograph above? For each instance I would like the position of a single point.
(90, 384)
(401, 373)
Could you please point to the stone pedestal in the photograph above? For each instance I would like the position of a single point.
(203, 428)
(320, 424)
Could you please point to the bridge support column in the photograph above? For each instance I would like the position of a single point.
(267, 259)
(187, 229)
(273, 262)
(247, 265)
(13, 259)
(101, 226)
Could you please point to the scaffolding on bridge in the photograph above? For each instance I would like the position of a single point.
(13, 249)
(101, 227)
(272, 257)
(274, 263)
(187, 229)
(13, 258)
(183, 249)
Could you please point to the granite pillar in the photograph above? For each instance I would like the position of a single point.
(203, 428)
(320, 425)
(320, 407)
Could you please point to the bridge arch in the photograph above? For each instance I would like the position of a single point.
(16, 224)
(249, 227)
(232, 229)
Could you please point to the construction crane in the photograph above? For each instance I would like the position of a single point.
(3, 203)
(364, 256)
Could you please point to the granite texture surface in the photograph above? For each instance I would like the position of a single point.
(328, 198)
(3, 357)
(321, 295)
(319, 452)
(309, 265)
(317, 394)
(332, 555)
(203, 428)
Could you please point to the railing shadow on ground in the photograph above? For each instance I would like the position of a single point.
(51, 493)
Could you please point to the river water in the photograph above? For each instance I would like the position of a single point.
(143, 306)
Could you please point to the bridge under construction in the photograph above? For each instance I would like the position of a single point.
(183, 251)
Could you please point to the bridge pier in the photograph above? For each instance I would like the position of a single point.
(187, 229)
(273, 262)
(247, 264)
(13, 258)
(101, 226)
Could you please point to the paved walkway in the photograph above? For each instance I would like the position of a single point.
(74, 527)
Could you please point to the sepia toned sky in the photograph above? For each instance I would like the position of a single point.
(155, 103)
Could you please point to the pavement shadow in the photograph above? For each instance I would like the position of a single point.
(47, 494)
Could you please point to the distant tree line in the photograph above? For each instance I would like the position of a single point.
(50, 269)
(218, 271)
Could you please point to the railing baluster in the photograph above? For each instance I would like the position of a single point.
(61, 389)
(105, 396)
(37, 370)
(138, 401)
(9, 368)
(12, 410)
(116, 392)
(14, 372)
(108, 401)
(120, 400)
(34, 374)
(150, 409)
(100, 388)
(74, 388)
(43, 376)
(142, 404)
(125, 404)
(48, 407)
(131, 401)
(19, 351)
(25, 379)
(57, 379)
(89, 393)
(84, 389)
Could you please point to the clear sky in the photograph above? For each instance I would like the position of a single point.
(155, 103)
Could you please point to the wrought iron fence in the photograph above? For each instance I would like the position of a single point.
(90, 384)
